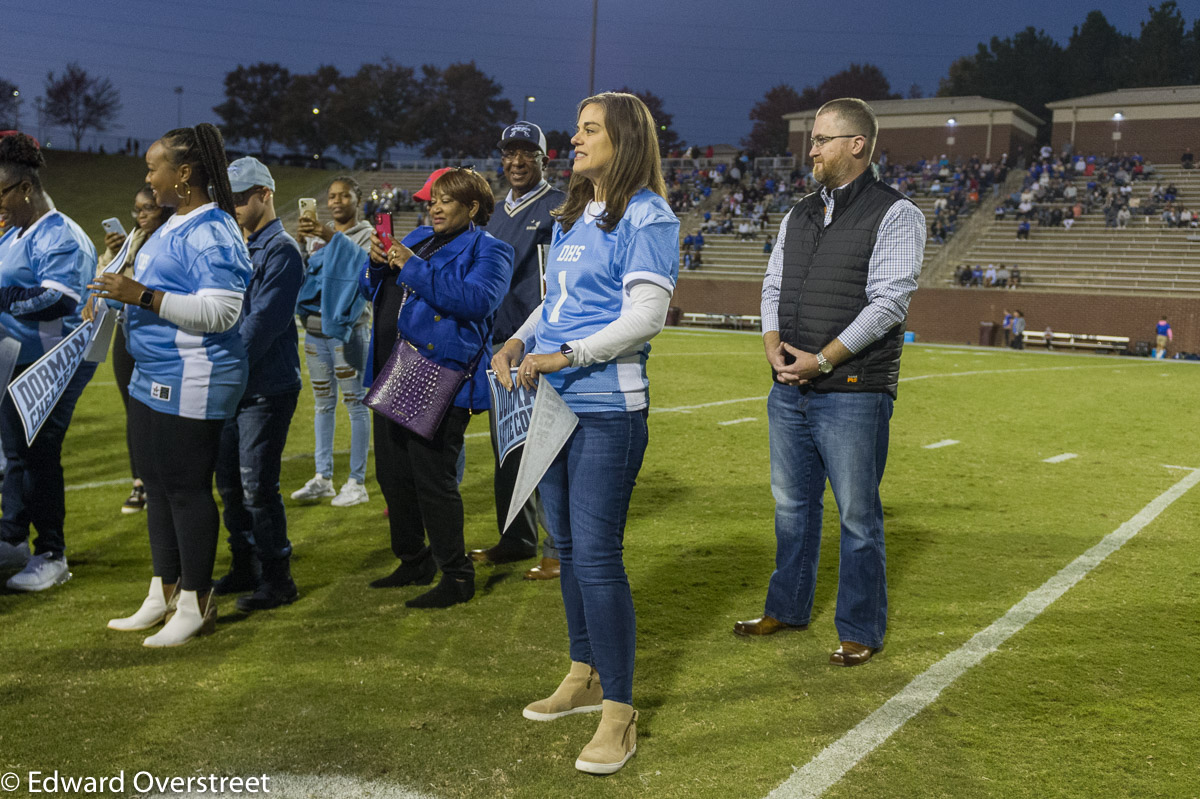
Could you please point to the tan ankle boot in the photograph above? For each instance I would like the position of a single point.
(580, 692)
(614, 743)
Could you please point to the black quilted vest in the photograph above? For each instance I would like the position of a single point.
(825, 279)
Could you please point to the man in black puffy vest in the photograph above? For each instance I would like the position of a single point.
(834, 302)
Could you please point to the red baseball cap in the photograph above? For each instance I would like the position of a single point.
(426, 192)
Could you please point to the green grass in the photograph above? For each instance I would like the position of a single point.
(91, 188)
(1096, 697)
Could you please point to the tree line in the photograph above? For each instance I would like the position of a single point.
(1028, 68)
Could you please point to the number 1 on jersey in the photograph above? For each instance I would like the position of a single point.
(562, 296)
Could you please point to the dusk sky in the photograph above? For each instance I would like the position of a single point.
(710, 61)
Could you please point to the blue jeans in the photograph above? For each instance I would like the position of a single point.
(331, 367)
(585, 493)
(248, 464)
(33, 481)
(842, 437)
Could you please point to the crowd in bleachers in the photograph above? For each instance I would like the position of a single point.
(988, 277)
(1058, 190)
(957, 186)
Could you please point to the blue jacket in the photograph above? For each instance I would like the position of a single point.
(455, 294)
(268, 330)
(331, 287)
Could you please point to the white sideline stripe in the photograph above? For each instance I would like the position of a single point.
(945, 442)
(828, 767)
(1184, 468)
(689, 408)
(739, 421)
(1066, 456)
(298, 786)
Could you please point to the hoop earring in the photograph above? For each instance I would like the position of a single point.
(182, 198)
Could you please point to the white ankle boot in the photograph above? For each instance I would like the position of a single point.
(187, 622)
(155, 608)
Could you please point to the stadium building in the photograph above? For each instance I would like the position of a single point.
(1154, 122)
(959, 127)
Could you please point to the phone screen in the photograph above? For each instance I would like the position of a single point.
(383, 226)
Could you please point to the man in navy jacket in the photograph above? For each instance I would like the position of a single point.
(248, 463)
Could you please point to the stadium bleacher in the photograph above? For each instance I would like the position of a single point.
(1146, 256)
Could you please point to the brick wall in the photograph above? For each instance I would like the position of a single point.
(952, 316)
(1158, 140)
(909, 145)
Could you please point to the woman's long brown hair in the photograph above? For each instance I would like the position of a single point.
(635, 165)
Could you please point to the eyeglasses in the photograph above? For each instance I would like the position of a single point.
(136, 212)
(526, 156)
(821, 141)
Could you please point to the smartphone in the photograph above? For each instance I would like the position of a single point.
(113, 225)
(308, 207)
(383, 227)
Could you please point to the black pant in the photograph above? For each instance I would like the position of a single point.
(419, 481)
(524, 529)
(122, 364)
(32, 493)
(248, 467)
(176, 458)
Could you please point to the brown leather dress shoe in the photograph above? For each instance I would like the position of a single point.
(504, 552)
(764, 626)
(851, 654)
(548, 569)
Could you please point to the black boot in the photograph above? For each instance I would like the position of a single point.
(244, 574)
(277, 588)
(450, 591)
(420, 572)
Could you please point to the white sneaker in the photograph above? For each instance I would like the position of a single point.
(316, 488)
(352, 493)
(40, 573)
(14, 556)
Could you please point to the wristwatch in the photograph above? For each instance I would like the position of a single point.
(823, 365)
(147, 299)
(566, 350)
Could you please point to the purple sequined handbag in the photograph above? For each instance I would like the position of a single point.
(413, 391)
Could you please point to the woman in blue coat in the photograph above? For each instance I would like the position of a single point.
(437, 290)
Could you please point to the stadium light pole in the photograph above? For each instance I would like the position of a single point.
(592, 67)
(1117, 117)
(529, 98)
(179, 106)
(16, 93)
(317, 120)
(951, 123)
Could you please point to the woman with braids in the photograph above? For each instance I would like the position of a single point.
(613, 262)
(182, 306)
(45, 262)
(148, 216)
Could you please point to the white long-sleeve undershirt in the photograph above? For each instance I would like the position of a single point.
(641, 320)
(201, 313)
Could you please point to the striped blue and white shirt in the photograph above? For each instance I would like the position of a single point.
(183, 372)
(891, 274)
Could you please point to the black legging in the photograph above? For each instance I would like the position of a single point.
(176, 458)
(122, 364)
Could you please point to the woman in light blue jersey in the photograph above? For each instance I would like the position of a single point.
(45, 261)
(613, 262)
(182, 307)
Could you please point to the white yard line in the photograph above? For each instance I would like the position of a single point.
(828, 767)
(739, 421)
(945, 442)
(1066, 456)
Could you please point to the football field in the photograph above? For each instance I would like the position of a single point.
(1044, 586)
